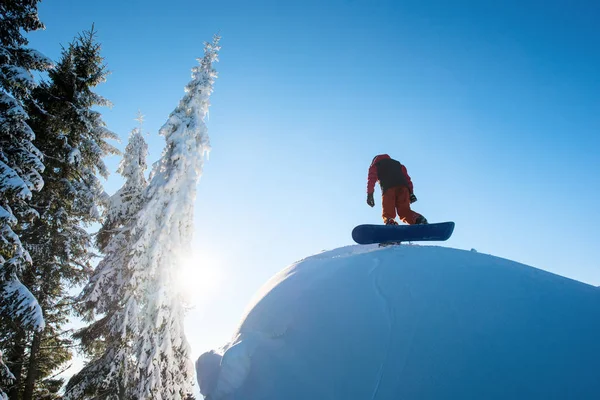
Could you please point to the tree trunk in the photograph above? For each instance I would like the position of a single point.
(32, 368)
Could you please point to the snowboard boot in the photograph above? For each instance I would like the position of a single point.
(421, 220)
(391, 221)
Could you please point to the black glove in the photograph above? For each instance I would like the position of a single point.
(413, 198)
(370, 200)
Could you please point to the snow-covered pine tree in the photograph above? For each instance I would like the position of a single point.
(127, 201)
(20, 163)
(163, 231)
(6, 377)
(74, 140)
(110, 293)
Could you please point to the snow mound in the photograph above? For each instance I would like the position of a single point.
(411, 322)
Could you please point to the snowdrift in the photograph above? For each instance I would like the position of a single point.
(411, 322)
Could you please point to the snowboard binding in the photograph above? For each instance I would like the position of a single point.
(387, 244)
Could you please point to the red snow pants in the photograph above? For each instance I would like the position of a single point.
(397, 200)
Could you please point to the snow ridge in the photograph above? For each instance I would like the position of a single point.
(388, 307)
(413, 322)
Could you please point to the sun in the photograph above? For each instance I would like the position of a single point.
(198, 276)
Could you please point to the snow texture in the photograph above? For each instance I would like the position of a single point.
(411, 322)
(21, 303)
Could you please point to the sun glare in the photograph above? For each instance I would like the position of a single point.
(199, 276)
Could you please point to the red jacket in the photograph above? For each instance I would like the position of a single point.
(389, 173)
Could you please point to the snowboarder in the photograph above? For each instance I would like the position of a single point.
(396, 189)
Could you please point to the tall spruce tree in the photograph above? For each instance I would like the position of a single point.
(73, 138)
(21, 164)
(163, 231)
(110, 292)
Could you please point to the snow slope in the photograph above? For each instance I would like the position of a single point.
(411, 322)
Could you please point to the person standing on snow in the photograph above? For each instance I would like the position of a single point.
(396, 189)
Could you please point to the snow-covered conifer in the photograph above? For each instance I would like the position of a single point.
(127, 201)
(6, 377)
(74, 140)
(21, 163)
(109, 291)
(163, 231)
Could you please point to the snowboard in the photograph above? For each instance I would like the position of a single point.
(368, 234)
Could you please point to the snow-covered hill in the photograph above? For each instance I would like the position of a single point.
(411, 322)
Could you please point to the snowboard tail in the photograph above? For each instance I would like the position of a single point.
(368, 234)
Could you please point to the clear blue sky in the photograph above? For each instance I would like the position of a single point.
(494, 107)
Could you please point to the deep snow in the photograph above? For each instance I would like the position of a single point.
(411, 322)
